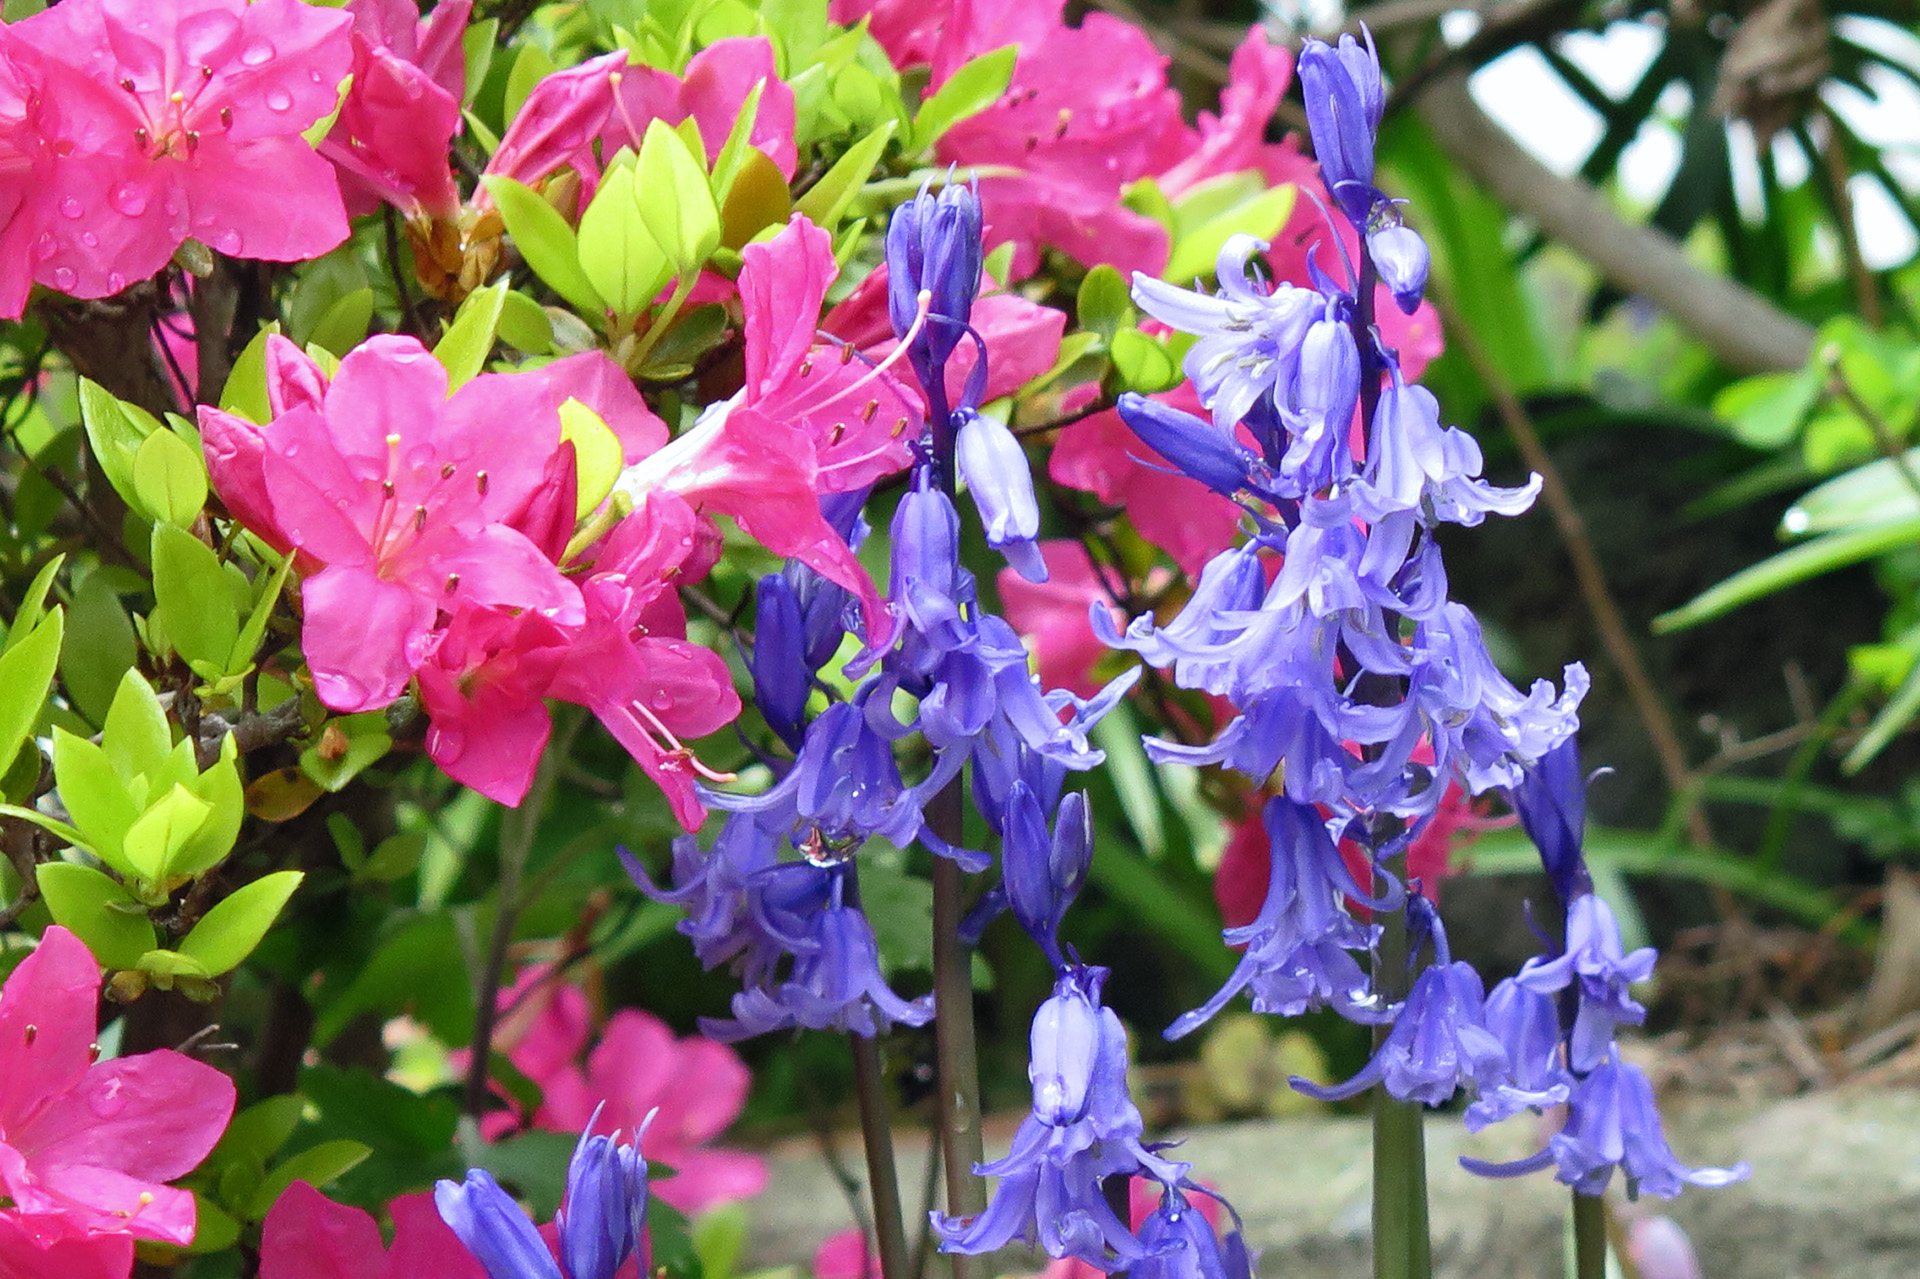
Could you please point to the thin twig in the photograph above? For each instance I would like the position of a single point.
(1866, 292)
(1572, 527)
(409, 314)
(1883, 437)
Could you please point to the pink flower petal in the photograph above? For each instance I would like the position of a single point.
(30, 1253)
(720, 77)
(592, 378)
(153, 1117)
(308, 1236)
(47, 1020)
(424, 1247)
(364, 637)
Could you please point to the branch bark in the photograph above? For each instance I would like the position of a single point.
(1745, 330)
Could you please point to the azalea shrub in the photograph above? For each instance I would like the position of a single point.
(798, 491)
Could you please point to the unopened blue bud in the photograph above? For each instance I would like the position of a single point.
(494, 1230)
(995, 469)
(781, 677)
(1552, 803)
(933, 246)
(1194, 445)
(606, 1207)
(1344, 101)
(1402, 259)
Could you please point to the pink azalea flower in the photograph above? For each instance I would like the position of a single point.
(400, 493)
(1052, 615)
(163, 115)
(49, 1252)
(846, 1255)
(308, 1236)
(85, 1145)
(606, 101)
(1236, 139)
(638, 1066)
(402, 111)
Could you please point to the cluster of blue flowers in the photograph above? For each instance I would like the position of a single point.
(1366, 690)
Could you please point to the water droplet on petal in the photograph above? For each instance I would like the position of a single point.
(105, 1098)
(71, 207)
(279, 99)
(129, 199)
(227, 242)
(46, 246)
(64, 278)
(116, 281)
(89, 239)
(445, 746)
(256, 54)
(662, 701)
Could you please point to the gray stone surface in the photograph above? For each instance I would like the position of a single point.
(1835, 1193)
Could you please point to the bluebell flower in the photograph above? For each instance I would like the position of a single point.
(1181, 1244)
(1195, 446)
(1042, 874)
(1600, 973)
(835, 982)
(1298, 947)
(934, 246)
(1345, 100)
(1084, 1128)
(1439, 1039)
(782, 680)
(1612, 1122)
(600, 1223)
(1527, 1024)
(1249, 333)
(1551, 802)
(1320, 410)
(1418, 465)
(1402, 259)
(712, 887)
(994, 468)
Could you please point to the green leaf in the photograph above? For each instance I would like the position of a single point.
(596, 451)
(163, 830)
(344, 323)
(257, 1133)
(169, 479)
(1144, 363)
(733, 152)
(546, 242)
(99, 648)
(1766, 411)
(675, 200)
(1103, 305)
(220, 787)
(192, 600)
(136, 736)
(367, 743)
(214, 1231)
(227, 934)
(478, 43)
(95, 797)
(719, 1234)
(1894, 716)
(115, 432)
(247, 642)
(1822, 555)
(1132, 778)
(968, 91)
(826, 201)
(757, 200)
(464, 348)
(532, 65)
(33, 604)
(97, 910)
(524, 325)
(622, 259)
(1880, 490)
(26, 673)
(316, 1165)
(245, 393)
(900, 907)
(1188, 925)
(1261, 217)
(394, 858)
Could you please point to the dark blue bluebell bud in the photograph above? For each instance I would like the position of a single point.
(933, 246)
(1344, 101)
(1551, 801)
(1043, 875)
(494, 1230)
(1194, 445)
(927, 582)
(605, 1212)
(995, 470)
(1401, 257)
(781, 676)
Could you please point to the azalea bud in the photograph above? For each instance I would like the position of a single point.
(994, 467)
(1402, 259)
(1197, 447)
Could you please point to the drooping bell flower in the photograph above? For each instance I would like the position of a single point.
(1181, 1243)
(994, 468)
(1600, 972)
(1612, 1122)
(1403, 261)
(167, 116)
(1527, 1024)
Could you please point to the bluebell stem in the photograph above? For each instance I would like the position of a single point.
(1439, 1039)
(600, 1224)
(1612, 1123)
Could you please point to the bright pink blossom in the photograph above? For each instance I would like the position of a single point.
(162, 116)
(577, 117)
(401, 493)
(308, 1236)
(638, 1066)
(85, 1145)
(1235, 140)
(402, 110)
(847, 1255)
(49, 1252)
